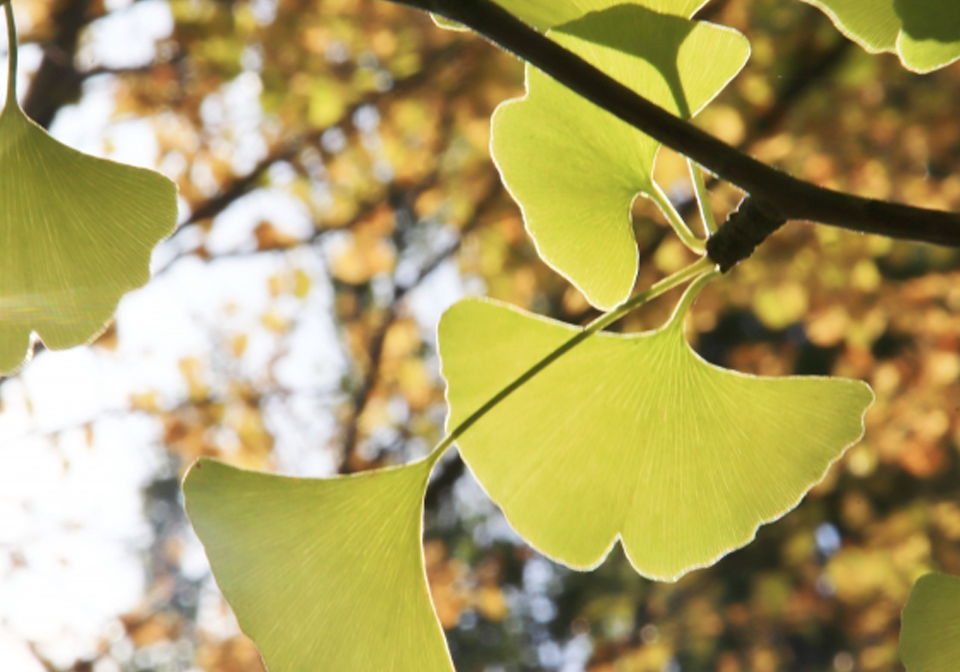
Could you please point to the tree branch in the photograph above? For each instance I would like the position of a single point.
(57, 81)
(240, 186)
(778, 194)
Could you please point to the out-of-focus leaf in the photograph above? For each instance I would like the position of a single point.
(77, 234)
(323, 574)
(636, 437)
(575, 169)
(930, 636)
(924, 33)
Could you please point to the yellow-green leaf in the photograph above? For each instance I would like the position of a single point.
(323, 574)
(636, 437)
(924, 33)
(546, 14)
(76, 233)
(930, 636)
(575, 169)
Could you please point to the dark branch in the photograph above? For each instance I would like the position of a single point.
(57, 82)
(745, 228)
(786, 197)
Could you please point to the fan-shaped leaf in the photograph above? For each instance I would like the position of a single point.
(636, 437)
(930, 636)
(322, 574)
(546, 14)
(925, 33)
(77, 233)
(576, 169)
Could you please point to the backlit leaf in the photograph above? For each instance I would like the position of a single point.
(323, 574)
(930, 635)
(925, 33)
(546, 14)
(77, 233)
(636, 437)
(575, 169)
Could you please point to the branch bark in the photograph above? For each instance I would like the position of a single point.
(777, 193)
(58, 82)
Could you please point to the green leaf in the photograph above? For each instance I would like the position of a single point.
(930, 636)
(77, 233)
(546, 14)
(925, 33)
(636, 437)
(575, 169)
(323, 574)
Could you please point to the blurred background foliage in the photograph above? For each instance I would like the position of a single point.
(337, 194)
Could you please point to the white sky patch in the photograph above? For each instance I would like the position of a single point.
(133, 142)
(71, 527)
(156, 330)
(83, 125)
(245, 118)
(438, 291)
(126, 38)
(233, 228)
(70, 388)
(234, 118)
(16, 654)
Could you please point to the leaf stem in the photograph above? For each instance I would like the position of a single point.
(694, 270)
(703, 198)
(689, 296)
(688, 237)
(11, 54)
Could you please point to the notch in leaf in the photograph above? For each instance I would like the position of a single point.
(323, 574)
(76, 231)
(635, 437)
(924, 33)
(546, 14)
(575, 169)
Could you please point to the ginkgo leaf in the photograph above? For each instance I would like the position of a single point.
(930, 636)
(323, 574)
(575, 169)
(924, 33)
(77, 233)
(546, 14)
(636, 437)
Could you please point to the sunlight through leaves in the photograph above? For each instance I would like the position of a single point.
(323, 574)
(636, 437)
(575, 169)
